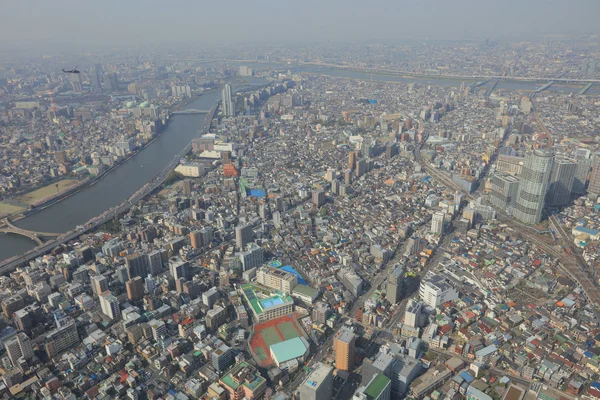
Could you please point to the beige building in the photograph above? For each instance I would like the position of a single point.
(510, 165)
(277, 279)
(62, 338)
(190, 170)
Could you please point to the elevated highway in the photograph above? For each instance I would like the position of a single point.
(33, 235)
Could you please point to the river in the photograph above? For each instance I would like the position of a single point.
(120, 183)
(140, 169)
(346, 73)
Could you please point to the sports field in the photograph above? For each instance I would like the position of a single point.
(270, 335)
(39, 194)
(260, 353)
(288, 330)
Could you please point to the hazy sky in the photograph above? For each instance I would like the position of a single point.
(35, 23)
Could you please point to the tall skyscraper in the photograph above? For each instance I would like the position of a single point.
(154, 262)
(201, 238)
(318, 385)
(110, 305)
(150, 284)
(76, 82)
(361, 167)
(19, 347)
(207, 236)
(243, 235)
(583, 157)
(228, 104)
(111, 82)
(99, 284)
(63, 337)
(253, 257)
(504, 191)
(137, 265)
(437, 223)
(318, 198)
(595, 176)
(180, 269)
(343, 345)
(561, 182)
(135, 288)
(348, 176)
(394, 285)
(581, 175)
(351, 160)
(533, 187)
(196, 239)
(95, 78)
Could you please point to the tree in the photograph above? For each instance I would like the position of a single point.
(173, 177)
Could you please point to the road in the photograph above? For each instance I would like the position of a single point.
(541, 124)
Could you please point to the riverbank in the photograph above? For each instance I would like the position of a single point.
(289, 64)
(93, 180)
(97, 221)
(415, 75)
(91, 208)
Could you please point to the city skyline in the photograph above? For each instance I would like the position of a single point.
(399, 219)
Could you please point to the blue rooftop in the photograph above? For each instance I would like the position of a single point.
(288, 268)
(466, 376)
(589, 231)
(257, 193)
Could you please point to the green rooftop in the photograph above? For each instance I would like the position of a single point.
(376, 386)
(305, 290)
(260, 304)
(229, 381)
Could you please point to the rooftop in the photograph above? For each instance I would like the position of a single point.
(318, 375)
(346, 336)
(259, 305)
(289, 349)
(376, 386)
(251, 381)
(305, 290)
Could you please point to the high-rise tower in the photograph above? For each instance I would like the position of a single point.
(343, 345)
(561, 182)
(595, 176)
(228, 105)
(533, 186)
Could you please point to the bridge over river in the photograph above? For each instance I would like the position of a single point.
(191, 111)
(8, 227)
